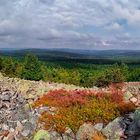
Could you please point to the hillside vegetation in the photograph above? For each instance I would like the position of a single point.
(49, 110)
(87, 75)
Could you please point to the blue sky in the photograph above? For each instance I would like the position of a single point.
(85, 24)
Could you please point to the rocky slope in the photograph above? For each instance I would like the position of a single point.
(31, 89)
(18, 121)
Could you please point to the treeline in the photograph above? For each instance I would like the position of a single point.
(87, 75)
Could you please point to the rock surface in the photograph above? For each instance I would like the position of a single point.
(115, 129)
(86, 132)
(32, 89)
(132, 130)
(18, 121)
(42, 135)
(15, 119)
(99, 126)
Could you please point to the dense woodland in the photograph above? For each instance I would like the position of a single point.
(77, 73)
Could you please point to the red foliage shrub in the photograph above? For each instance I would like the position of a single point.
(77, 97)
(126, 107)
(65, 98)
(75, 107)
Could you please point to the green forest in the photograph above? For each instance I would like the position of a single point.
(88, 75)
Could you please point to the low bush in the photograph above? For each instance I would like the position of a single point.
(78, 106)
(114, 74)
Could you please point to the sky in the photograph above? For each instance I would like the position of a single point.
(81, 24)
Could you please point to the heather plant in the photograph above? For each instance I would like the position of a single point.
(75, 107)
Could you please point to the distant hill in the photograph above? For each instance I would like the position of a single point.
(128, 56)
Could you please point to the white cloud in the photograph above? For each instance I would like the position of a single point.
(114, 27)
(69, 22)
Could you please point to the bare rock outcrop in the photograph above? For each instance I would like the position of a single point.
(17, 120)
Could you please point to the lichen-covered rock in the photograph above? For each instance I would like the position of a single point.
(133, 128)
(99, 126)
(115, 129)
(14, 116)
(137, 114)
(33, 89)
(55, 136)
(86, 132)
(19, 120)
(69, 134)
(133, 87)
(127, 95)
(42, 135)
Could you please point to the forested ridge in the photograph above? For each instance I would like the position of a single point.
(31, 68)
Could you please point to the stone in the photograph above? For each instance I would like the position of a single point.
(43, 109)
(53, 109)
(130, 116)
(27, 130)
(65, 137)
(12, 113)
(115, 129)
(137, 104)
(19, 127)
(25, 133)
(20, 99)
(133, 129)
(11, 136)
(1, 137)
(42, 135)
(31, 96)
(128, 95)
(137, 113)
(138, 123)
(127, 121)
(133, 100)
(5, 97)
(33, 121)
(86, 132)
(55, 135)
(5, 127)
(4, 133)
(12, 130)
(131, 138)
(138, 137)
(24, 121)
(95, 88)
(69, 133)
(99, 126)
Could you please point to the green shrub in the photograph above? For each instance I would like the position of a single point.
(32, 68)
(111, 75)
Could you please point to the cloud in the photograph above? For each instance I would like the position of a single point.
(70, 23)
